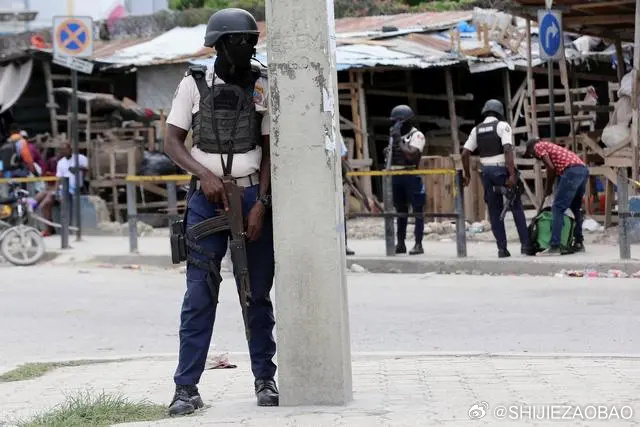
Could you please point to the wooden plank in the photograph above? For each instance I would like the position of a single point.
(568, 21)
(362, 104)
(355, 116)
(634, 98)
(452, 111)
(531, 86)
(588, 6)
(619, 60)
(609, 199)
(581, 76)
(429, 97)
(506, 83)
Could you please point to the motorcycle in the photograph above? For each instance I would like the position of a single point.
(20, 243)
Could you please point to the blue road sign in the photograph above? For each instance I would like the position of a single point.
(73, 36)
(550, 34)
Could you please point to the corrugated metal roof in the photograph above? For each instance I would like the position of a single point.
(185, 44)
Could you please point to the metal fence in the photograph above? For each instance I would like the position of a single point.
(389, 214)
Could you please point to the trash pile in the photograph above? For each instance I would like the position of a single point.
(611, 274)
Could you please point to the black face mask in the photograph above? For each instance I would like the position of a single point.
(406, 128)
(233, 63)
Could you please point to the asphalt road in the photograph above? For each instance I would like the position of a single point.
(69, 312)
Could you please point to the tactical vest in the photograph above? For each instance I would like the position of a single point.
(397, 157)
(227, 121)
(489, 143)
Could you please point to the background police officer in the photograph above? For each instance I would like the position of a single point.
(234, 120)
(492, 139)
(408, 143)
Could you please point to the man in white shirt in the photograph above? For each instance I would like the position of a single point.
(65, 168)
(230, 125)
(492, 141)
(408, 144)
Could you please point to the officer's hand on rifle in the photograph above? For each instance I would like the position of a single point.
(213, 189)
(255, 221)
(466, 180)
(512, 181)
(396, 130)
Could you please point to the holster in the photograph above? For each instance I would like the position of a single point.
(178, 242)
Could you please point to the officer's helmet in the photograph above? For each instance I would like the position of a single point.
(230, 21)
(401, 113)
(493, 106)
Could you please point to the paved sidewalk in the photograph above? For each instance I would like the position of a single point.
(439, 257)
(401, 390)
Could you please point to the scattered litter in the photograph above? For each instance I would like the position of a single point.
(592, 226)
(357, 268)
(617, 274)
(84, 272)
(395, 271)
(428, 275)
(106, 266)
(220, 362)
(446, 240)
(131, 267)
(476, 228)
(636, 275)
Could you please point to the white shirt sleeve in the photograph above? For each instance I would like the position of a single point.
(84, 162)
(505, 133)
(60, 168)
(472, 142)
(417, 141)
(183, 104)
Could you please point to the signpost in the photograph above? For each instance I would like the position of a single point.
(550, 40)
(73, 39)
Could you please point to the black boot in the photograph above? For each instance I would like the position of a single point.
(577, 247)
(185, 401)
(401, 248)
(417, 249)
(528, 250)
(267, 393)
(503, 253)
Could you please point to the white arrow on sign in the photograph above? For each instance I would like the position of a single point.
(552, 31)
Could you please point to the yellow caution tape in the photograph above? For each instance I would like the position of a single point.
(28, 180)
(404, 172)
(159, 178)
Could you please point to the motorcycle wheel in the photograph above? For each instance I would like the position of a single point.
(22, 245)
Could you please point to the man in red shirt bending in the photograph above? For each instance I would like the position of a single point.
(572, 175)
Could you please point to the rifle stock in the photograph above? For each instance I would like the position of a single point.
(238, 249)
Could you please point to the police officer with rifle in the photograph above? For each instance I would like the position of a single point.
(492, 141)
(407, 143)
(228, 204)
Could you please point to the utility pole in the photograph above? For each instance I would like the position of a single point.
(314, 352)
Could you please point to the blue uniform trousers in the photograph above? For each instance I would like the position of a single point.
(497, 176)
(198, 309)
(409, 190)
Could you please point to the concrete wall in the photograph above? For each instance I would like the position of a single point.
(157, 84)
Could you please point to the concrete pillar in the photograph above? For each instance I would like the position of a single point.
(314, 354)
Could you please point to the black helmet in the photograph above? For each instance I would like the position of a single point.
(493, 106)
(401, 113)
(229, 21)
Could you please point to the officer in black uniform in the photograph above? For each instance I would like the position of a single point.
(225, 106)
(492, 141)
(408, 143)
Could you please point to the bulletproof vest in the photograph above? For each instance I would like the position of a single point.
(397, 157)
(489, 143)
(9, 157)
(227, 121)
